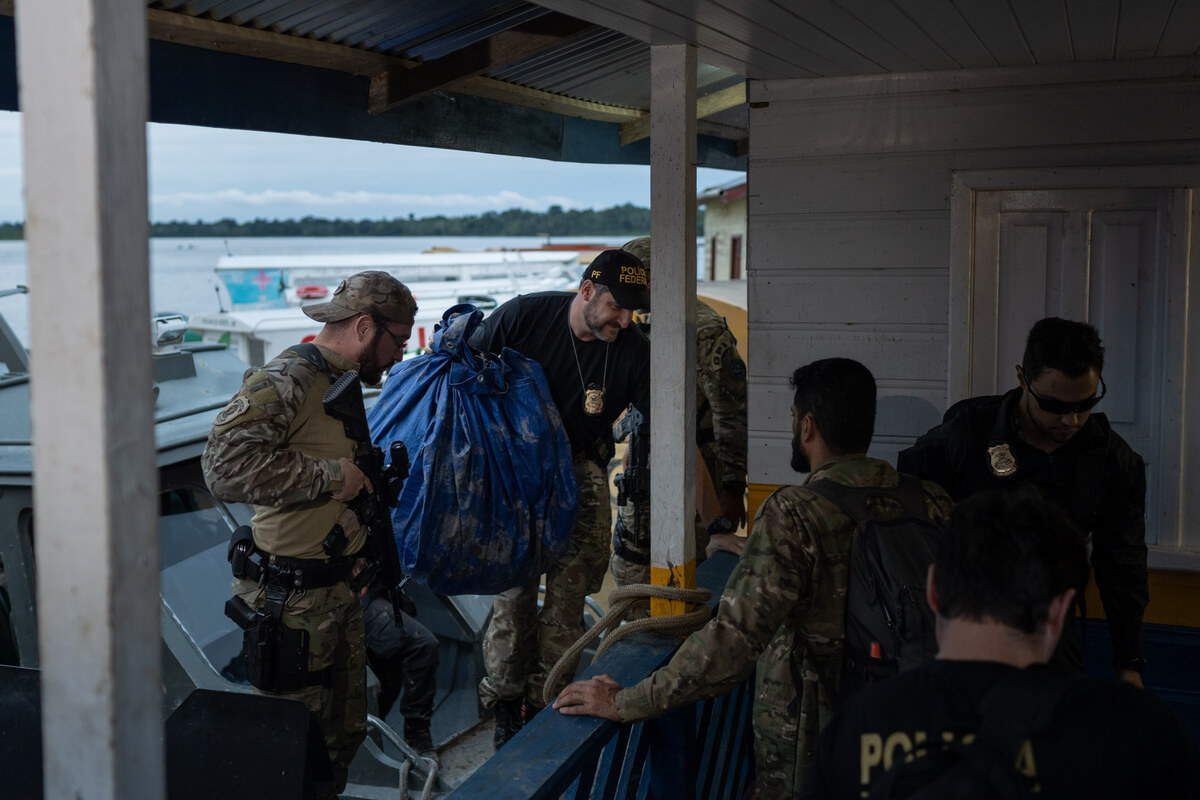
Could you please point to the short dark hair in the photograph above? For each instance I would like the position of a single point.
(1005, 557)
(1070, 347)
(840, 394)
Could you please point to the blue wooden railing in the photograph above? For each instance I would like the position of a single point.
(701, 750)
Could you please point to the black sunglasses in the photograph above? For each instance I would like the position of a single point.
(400, 343)
(1052, 405)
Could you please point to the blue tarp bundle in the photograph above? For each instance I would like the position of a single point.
(491, 497)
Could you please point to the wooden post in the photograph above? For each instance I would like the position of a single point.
(84, 97)
(673, 343)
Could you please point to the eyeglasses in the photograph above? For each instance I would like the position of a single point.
(396, 340)
(1052, 405)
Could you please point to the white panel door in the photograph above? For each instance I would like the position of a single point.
(1097, 255)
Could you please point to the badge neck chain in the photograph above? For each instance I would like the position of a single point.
(593, 395)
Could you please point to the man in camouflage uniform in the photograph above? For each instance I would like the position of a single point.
(720, 436)
(595, 365)
(783, 609)
(274, 446)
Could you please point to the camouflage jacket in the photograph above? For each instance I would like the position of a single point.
(720, 400)
(782, 611)
(274, 446)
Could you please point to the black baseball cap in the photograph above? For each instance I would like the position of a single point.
(624, 275)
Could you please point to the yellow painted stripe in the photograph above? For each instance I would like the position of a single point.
(681, 577)
(1174, 599)
(757, 493)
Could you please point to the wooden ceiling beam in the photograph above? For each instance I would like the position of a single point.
(394, 87)
(502, 91)
(706, 106)
(224, 37)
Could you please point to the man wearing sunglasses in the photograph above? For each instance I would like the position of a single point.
(1043, 433)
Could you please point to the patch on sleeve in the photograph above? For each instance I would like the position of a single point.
(717, 357)
(236, 408)
(737, 370)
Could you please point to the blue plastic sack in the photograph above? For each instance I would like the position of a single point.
(491, 498)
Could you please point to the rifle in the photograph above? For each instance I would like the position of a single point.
(633, 485)
(344, 402)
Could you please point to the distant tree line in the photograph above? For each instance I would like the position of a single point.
(615, 221)
(624, 220)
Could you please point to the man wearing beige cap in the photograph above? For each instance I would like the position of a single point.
(274, 446)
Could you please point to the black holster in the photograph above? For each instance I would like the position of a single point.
(276, 655)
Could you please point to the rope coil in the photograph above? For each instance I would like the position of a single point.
(621, 600)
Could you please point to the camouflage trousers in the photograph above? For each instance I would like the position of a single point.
(333, 617)
(522, 644)
(631, 545)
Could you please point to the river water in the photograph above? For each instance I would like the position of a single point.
(181, 270)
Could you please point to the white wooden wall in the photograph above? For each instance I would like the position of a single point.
(855, 220)
(724, 221)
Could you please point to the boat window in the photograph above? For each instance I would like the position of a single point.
(8, 644)
(189, 523)
(194, 531)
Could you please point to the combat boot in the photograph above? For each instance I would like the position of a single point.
(508, 721)
(418, 737)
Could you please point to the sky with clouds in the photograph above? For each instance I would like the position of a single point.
(208, 174)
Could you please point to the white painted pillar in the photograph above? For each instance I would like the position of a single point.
(673, 343)
(82, 66)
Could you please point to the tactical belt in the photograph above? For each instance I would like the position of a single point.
(297, 574)
(304, 573)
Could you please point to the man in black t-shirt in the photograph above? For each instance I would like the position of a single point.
(1002, 588)
(1044, 434)
(595, 365)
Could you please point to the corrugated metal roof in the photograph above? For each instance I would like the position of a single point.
(590, 59)
(598, 65)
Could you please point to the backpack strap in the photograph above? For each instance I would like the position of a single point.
(1018, 706)
(312, 354)
(852, 500)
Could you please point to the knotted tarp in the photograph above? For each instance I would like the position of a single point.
(491, 498)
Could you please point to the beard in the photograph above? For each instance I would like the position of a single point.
(605, 332)
(800, 461)
(370, 371)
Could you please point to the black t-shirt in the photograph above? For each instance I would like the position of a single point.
(1095, 477)
(1105, 739)
(536, 326)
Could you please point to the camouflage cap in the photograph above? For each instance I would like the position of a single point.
(624, 275)
(640, 247)
(373, 292)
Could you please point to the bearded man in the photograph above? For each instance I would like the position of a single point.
(596, 365)
(274, 446)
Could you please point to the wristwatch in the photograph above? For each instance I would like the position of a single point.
(1135, 664)
(721, 525)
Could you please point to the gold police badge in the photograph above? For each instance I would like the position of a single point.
(1003, 462)
(593, 400)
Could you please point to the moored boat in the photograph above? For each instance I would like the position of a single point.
(261, 297)
(201, 647)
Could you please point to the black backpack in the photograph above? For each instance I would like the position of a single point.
(889, 625)
(1018, 706)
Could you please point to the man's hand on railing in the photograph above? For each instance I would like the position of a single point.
(596, 697)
